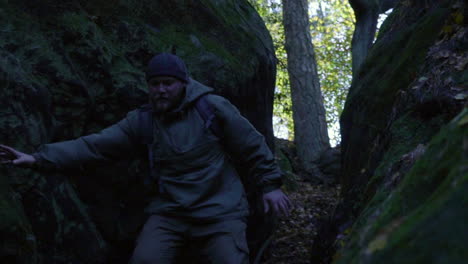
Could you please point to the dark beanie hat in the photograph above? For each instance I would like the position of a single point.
(166, 64)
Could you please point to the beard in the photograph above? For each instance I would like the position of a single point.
(161, 105)
(164, 104)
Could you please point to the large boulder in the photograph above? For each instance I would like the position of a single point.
(70, 68)
(404, 152)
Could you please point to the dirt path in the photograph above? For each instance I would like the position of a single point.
(293, 239)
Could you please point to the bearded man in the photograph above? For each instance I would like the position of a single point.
(199, 197)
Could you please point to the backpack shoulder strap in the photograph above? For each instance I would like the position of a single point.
(207, 112)
(145, 116)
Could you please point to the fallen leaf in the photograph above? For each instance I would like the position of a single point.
(448, 81)
(463, 121)
(377, 244)
(380, 241)
(458, 17)
(443, 54)
(461, 96)
(461, 64)
(447, 29)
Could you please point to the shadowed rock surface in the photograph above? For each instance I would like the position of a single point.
(404, 144)
(70, 68)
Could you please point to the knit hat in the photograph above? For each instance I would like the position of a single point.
(165, 64)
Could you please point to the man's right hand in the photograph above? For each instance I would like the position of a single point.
(10, 155)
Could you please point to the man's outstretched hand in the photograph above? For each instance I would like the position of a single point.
(277, 201)
(10, 155)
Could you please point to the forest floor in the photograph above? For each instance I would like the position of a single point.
(294, 236)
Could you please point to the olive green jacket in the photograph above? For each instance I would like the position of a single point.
(197, 177)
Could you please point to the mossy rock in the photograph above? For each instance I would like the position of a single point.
(423, 219)
(18, 240)
(401, 104)
(70, 68)
(388, 88)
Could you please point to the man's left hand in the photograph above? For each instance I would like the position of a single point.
(277, 201)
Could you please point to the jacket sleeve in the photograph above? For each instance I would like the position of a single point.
(112, 143)
(247, 146)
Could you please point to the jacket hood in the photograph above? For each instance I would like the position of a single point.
(193, 91)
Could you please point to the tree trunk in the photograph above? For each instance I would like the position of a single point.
(367, 14)
(310, 127)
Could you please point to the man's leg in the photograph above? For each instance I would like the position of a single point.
(159, 242)
(224, 242)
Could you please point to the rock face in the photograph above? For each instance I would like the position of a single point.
(404, 143)
(70, 68)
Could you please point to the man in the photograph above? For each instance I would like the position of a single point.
(200, 197)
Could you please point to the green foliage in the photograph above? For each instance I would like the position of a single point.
(271, 13)
(332, 28)
(332, 25)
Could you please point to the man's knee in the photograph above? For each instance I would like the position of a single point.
(228, 246)
(157, 243)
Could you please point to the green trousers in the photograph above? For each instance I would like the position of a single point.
(163, 239)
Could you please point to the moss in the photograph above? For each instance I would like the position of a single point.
(225, 9)
(423, 220)
(388, 73)
(80, 67)
(433, 202)
(17, 239)
(87, 39)
(392, 64)
(424, 236)
(124, 75)
(405, 134)
(175, 36)
(460, 77)
(290, 180)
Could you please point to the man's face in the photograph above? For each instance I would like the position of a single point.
(165, 92)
